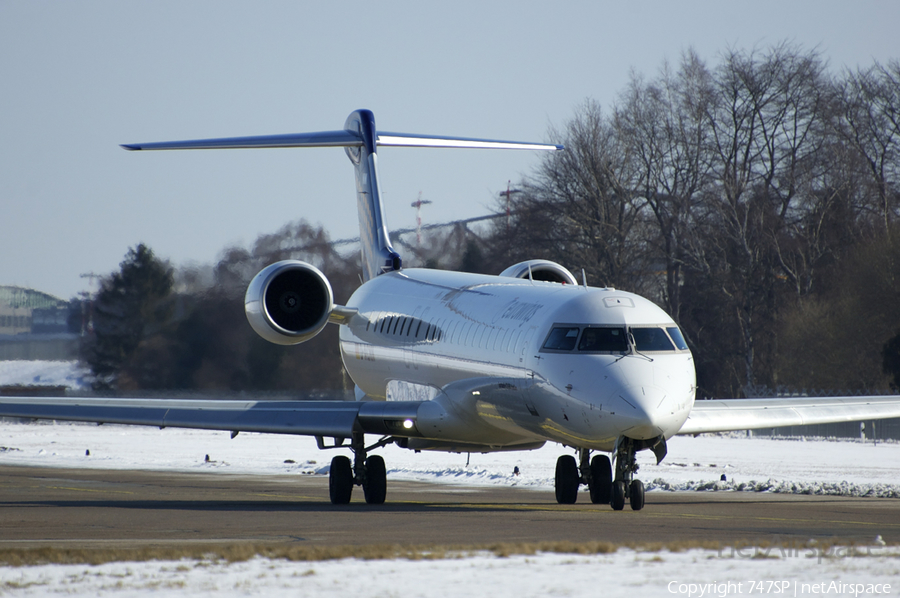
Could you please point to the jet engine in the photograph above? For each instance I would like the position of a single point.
(540, 270)
(289, 302)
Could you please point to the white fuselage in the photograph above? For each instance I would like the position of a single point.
(484, 351)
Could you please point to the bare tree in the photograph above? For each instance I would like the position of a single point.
(586, 203)
(665, 125)
(768, 124)
(869, 121)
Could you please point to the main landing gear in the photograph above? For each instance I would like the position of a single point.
(368, 472)
(596, 473)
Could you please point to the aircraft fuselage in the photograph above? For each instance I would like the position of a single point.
(509, 362)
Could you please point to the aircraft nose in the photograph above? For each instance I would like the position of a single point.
(641, 408)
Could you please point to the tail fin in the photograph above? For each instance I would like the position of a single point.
(360, 140)
(374, 240)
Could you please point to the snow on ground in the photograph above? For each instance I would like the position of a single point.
(759, 464)
(749, 464)
(625, 573)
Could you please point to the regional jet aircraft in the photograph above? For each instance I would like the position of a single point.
(450, 361)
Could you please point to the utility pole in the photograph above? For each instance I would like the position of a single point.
(418, 206)
(508, 193)
(87, 306)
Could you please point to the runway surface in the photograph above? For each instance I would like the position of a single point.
(97, 508)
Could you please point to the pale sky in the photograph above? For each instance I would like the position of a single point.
(80, 77)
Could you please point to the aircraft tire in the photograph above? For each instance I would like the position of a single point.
(637, 495)
(601, 480)
(375, 484)
(567, 480)
(340, 480)
(617, 499)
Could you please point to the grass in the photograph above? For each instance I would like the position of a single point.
(235, 552)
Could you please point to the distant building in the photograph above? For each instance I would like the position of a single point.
(35, 325)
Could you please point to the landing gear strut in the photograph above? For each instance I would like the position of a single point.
(625, 486)
(597, 475)
(368, 472)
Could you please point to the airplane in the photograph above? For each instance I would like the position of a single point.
(452, 361)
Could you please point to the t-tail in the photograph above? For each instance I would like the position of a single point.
(374, 240)
(360, 139)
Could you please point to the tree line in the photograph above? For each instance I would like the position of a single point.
(756, 200)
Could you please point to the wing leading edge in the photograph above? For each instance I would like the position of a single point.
(339, 419)
(724, 415)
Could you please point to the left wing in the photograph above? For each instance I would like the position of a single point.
(338, 419)
(723, 415)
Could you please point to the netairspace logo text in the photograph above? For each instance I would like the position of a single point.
(782, 588)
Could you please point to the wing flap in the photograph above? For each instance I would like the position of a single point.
(724, 415)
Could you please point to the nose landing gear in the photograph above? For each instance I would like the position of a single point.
(625, 485)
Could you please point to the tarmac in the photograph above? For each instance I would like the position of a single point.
(41, 507)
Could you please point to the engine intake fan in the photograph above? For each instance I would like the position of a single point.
(289, 302)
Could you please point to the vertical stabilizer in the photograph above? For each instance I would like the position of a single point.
(375, 244)
(359, 138)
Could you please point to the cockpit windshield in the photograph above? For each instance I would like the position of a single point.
(677, 337)
(615, 339)
(612, 340)
(562, 339)
(651, 339)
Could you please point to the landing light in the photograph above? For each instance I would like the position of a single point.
(408, 424)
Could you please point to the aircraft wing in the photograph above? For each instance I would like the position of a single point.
(723, 415)
(337, 419)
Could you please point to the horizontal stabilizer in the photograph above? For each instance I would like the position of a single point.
(321, 139)
(409, 140)
(360, 139)
(338, 139)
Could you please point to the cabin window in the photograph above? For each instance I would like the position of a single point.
(676, 335)
(651, 339)
(561, 339)
(604, 340)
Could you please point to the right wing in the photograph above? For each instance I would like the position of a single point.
(724, 415)
(338, 419)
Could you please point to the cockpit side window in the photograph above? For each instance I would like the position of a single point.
(604, 340)
(676, 335)
(561, 338)
(651, 339)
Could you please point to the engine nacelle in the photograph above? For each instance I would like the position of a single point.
(540, 270)
(288, 302)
